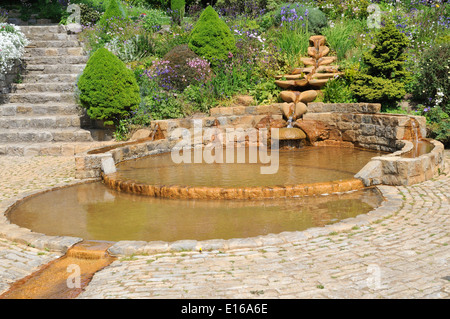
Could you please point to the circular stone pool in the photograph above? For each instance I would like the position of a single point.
(94, 212)
(297, 172)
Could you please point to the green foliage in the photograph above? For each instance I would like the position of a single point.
(265, 92)
(316, 19)
(384, 79)
(338, 91)
(184, 72)
(438, 123)
(387, 58)
(352, 9)
(341, 38)
(154, 19)
(433, 76)
(107, 89)
(114, 10)
(293, 43)
(177, 7)
(211, 38)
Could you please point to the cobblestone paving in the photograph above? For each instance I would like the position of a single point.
(403, 256)
(20, 175)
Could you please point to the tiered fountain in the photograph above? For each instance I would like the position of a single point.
(302, 84)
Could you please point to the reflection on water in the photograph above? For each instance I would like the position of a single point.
(419, 148)
(94, 212)
(296, 166)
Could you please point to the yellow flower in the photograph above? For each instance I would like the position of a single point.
(437, 6)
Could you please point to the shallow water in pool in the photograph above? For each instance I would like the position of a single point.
(94, 212)
(295, 166)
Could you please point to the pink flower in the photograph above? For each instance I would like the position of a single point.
(230, 55)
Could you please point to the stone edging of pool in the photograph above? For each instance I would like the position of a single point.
(193, 192)
(391, 204)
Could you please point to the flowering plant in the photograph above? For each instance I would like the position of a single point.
(12, 46)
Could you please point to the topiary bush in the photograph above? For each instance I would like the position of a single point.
(107, 89)
(113, 11)
(211, 38)
(384, 79)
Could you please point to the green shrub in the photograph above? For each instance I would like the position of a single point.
(211, 38)
(433, 76)
(337, 91)
(384, 79)
(89, 15)
(186, 71)
(113, 11)
(177, 7)
(107, 89)
(154, 19)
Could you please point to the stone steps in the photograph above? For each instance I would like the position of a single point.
(20, 109)
(45, 135)
(54, 60)
(48, 149)
(50, 37)
(42, 98)
(38, 122)
(42, 116)
(62, 87)
(42, 29)
(50, 78)
(55, 69)
(68, 51)
(53, 44)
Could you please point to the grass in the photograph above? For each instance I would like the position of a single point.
(294, 43)
(342, 37)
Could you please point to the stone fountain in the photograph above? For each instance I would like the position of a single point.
(302, 85)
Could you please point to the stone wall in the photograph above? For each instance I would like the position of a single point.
(394, 169)
(7, 79)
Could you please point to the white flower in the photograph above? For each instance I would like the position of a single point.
(12, 46)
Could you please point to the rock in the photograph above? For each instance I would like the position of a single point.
(279, 123)
(269, 122)
(300, 109)
(157, 133)
(314, 130)
(325, 75)
(317, 40)
(327, 60)
(307, 96)
(293, 133)
(245, 100)
(290, 76)
(302, 82)
(318, 83)
(141, 133)
(285, 84)
(308, 61)
(74, 28)
(302, 70)
(288, 96)
(288, 109)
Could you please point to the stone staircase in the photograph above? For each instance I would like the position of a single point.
(42, 116)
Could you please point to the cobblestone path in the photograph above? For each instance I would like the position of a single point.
(406, 255)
